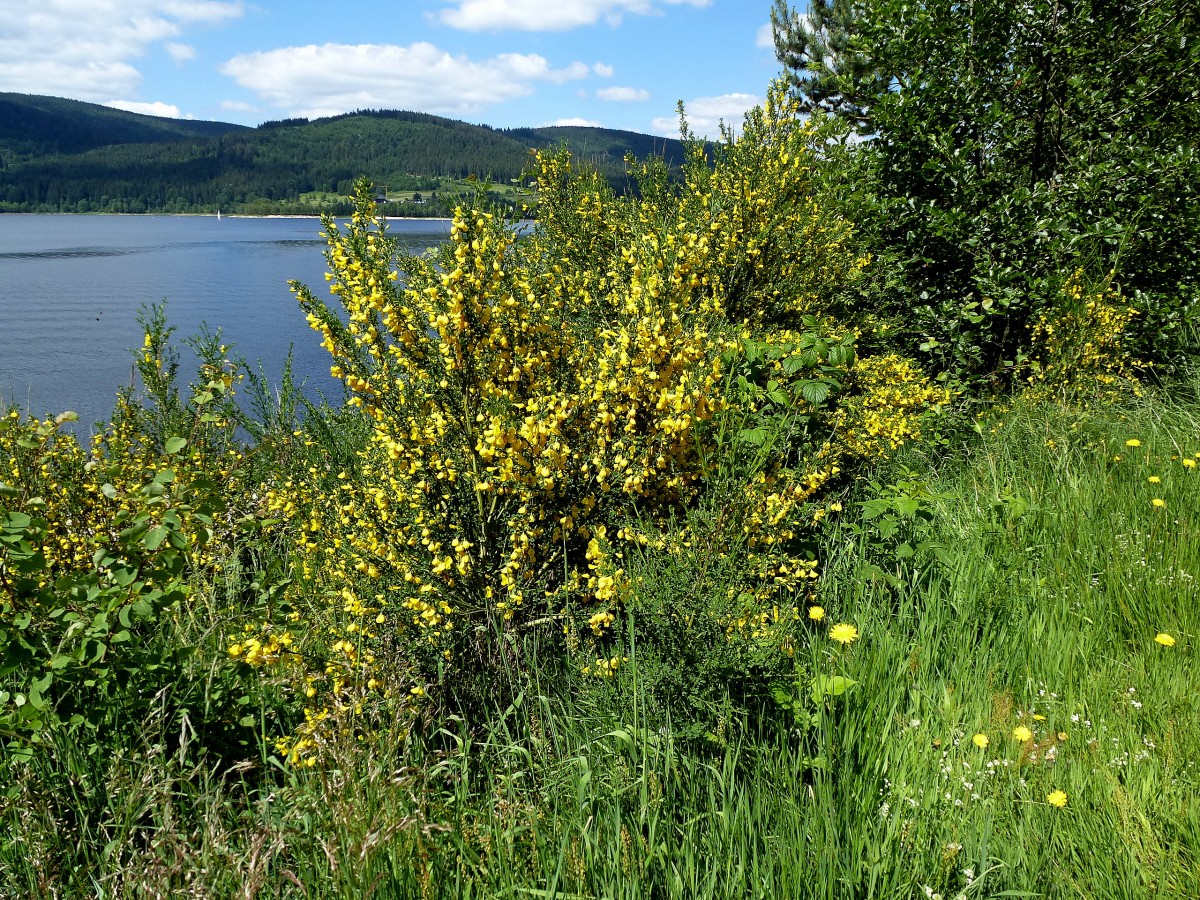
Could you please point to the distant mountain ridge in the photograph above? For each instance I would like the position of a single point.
(61, 155)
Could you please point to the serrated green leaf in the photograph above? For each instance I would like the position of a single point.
(815, 392)
(754, 436)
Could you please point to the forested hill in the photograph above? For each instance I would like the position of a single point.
(65, 156)
(43, 126)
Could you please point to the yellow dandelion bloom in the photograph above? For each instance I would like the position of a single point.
(1159, 502)
(1154, 479)
(1022, 734)
(1133, 442)
(981, 741)
(843, 633)
(1057, 799)
(1165, 639)
(816, 613)
(1189, 464)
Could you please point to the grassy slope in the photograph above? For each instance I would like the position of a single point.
(1032, 598)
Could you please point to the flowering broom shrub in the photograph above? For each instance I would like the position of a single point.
(1082, 342)
(540, 403)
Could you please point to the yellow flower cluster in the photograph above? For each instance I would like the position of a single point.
(889, 397)
(1081, 341)
(263, 648)
(83, 492)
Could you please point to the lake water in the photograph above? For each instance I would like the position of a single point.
(71, 287)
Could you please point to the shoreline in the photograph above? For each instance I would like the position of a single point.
(166, 215)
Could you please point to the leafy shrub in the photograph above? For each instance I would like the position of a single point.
(1002, 147)
(103, 546)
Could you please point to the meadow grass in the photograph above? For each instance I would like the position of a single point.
(1013, 579)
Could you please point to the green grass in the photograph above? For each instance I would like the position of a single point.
(1016, 580)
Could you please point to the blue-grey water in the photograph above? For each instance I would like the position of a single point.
(71, 288)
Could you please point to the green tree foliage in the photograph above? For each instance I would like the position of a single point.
(1011, 146)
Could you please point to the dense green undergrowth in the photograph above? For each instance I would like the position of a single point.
(1016, 582)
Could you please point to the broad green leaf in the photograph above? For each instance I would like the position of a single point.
(154, 537)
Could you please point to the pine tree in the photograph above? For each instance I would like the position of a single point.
(827, 59)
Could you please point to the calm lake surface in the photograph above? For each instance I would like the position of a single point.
(71, 287)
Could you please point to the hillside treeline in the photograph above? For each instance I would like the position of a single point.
(270, 168)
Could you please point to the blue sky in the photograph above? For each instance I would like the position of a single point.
(616, 63)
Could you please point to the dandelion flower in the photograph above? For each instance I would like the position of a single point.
(981, 741)
(1057, 799)
(1154, 479)
(1022, 734)
(1159, 502)
(843, 633)
(1133, 442)
(816, 613)
(1189, 463)
(1165, 639)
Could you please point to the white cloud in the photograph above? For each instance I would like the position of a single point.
(181, 53)
(85, 49)
(538, 15)
(623, 94)
(705, 115)
(576, 121)
(324, 80)
(765, 37)
(603, 70)
(158, 108)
